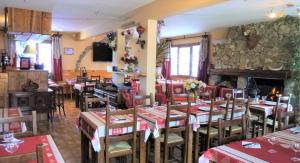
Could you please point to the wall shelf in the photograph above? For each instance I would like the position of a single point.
(129, 74)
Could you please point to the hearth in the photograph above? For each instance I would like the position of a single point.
(269, 87)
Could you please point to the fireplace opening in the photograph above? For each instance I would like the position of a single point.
(269, 87)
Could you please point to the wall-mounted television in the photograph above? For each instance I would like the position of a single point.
(102, 52)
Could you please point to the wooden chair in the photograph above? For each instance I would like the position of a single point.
(59, 99)
(239, 93)
(272, 121)
(80, 79)
(173, 133)
(95, 103)
(210, 132)
(107, 80)
(287, 119)
(120, 145)
(224, 137)
(141, 100)
(224, 91)
(96, 78)
(26, 119)
(205, 95)
(182, 97)
(38, 156)
(239, 106)
(212, 89)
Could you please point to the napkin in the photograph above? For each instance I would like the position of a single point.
(248, 144)
(295, 130)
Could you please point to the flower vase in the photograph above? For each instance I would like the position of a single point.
(192, 97)
(129, 68)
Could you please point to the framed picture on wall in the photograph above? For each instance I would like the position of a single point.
(24, 63)
(69, 51)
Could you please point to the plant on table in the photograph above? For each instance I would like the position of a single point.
(192, 85)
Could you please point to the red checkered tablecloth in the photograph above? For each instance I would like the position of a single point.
(51, 153)
(15, 126)
(281, 151)
(98, 120)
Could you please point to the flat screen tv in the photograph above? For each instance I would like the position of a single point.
(102, 52)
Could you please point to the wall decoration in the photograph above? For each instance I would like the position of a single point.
(81, 56)
(24, 63)
(112, 37)
(68, 51)
(140, 29)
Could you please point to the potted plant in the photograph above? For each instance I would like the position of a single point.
(161, 53)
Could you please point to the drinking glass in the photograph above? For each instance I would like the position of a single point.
(273, 140)
(264, 98)
(296, 148)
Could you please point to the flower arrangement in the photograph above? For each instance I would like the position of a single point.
(130, 62)
(192, 85)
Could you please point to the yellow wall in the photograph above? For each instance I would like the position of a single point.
(2, 42)
(70, 40)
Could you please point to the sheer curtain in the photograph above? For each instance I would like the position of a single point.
(166, 69)
(56, 58)
(203, 59)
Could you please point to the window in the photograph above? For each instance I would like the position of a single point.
(44, 52)
(184, 60)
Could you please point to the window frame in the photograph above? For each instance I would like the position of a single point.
(190, 45)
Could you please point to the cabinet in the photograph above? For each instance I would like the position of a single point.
(40, 101)
(3, 90)
(28, 21)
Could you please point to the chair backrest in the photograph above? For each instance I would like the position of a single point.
(182, 97)
(224, 91)
(239, 93)
(205, 95)
(96, 77)
(223, 137)
(91, 100)
(239, 105)
(111, 124)
(213, 112)
(141, 100)
(170, 117)
(24, 119)
(107, 80)
(80, 79)
(281, 100)
(20, 158)
(212, 89)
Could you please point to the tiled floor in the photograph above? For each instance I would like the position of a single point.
(64, 132)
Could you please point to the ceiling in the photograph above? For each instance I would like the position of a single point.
(77, 15)
(226, 14)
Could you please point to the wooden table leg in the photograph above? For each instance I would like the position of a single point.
(196, 145)
(190, 144)
(157, 150)
(142, 147)
(84, 148)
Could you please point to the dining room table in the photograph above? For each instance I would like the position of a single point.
(80, 87)
(281, 146)
(27, 146)
(264, 109)
(92, 126)
(13, 126)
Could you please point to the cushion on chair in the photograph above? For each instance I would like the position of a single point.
(119, 146)
(235, 128)
(172, 138)
(213, 131)
(270, 122)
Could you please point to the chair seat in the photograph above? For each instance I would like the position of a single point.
(254, 118)
(234, 129)
(172, 138)
(213, 131)
(119, 147)
(270, 122)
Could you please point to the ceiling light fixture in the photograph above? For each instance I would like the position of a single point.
(272, 14)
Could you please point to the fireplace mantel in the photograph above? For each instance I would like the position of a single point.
(266, 74)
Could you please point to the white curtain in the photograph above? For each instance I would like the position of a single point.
(56, 49)
(11, 48)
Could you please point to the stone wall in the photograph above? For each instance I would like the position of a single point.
(257, 46)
